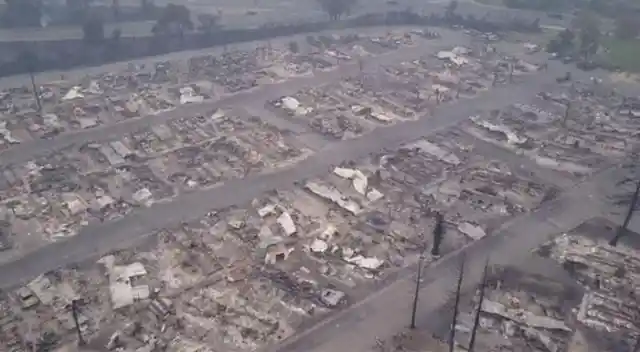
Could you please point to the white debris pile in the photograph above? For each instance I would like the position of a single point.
(282, 217)
(188, 95)
(371, 263)
(435, 150)
(318, 246)
(6, 134)
(143, 196)
(452, 57)
(474, 232)
(57, 294)
(73, 93)
(511, 136)
(123, 282)
(332, 194)
(524, 317)
(321, 244)
(287, 224)
(293, 106)
(360, 182)
(604, 306)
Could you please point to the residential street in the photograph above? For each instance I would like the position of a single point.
(102, 238)
(384, 312)
(387, 311)
(28, 150)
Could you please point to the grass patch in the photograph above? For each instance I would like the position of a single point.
(623, 54)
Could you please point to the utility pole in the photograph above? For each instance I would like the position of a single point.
(74, 312)
(456, 307)
(416, 294)
(623, 229)
(36, 92)
(476, 319)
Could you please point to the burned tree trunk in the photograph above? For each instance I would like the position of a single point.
(476, 318)
(438, 235)
(623, 229)
(456, 307)
(74, 312)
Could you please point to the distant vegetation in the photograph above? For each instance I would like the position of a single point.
(609, 8)
(41, 13)
(337, 8)
(542, 5)
(585, 42)
(623, 54)
(173, 33)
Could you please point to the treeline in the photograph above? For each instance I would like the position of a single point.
(173, 34)
(40, 13)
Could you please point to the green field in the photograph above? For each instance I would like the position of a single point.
(623, 54)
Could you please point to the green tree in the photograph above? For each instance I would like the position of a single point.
(337, 8)
(627, 26)
(563, 43)
(23, 13)
(451, 9)
(588, 27)
(93, 30)
(174, 19)
(13, 204)
(293, 47)
(208, 23)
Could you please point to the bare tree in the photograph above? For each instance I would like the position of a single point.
(451, 9)
(588, 27)
(74, 313)
(31, 62)
(337, 8)
(632, 207)
(93, 29)
(174, 19)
